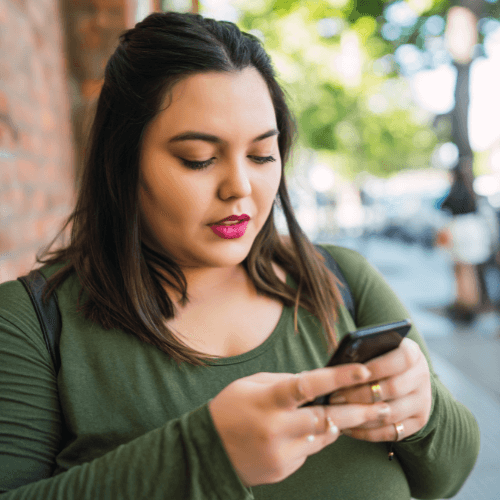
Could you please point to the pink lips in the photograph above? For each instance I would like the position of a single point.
(232, 231)
(234, 217)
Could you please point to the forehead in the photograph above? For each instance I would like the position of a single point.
(222, 102)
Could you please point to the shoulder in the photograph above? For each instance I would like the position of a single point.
(352, 264)
(16, 308)
(363, 278)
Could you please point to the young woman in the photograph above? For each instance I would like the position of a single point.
(189, 345)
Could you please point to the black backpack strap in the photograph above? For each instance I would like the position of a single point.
(346, 289)
(48, 314)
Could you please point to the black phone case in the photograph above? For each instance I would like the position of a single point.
(365, 344)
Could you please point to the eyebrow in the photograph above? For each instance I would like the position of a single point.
(199, 136)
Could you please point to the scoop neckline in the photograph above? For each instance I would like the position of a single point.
(260, 349)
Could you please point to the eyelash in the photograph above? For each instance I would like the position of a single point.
(200, 165)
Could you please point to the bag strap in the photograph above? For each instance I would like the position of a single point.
(48, 314)
(344, 290)
(50, 318)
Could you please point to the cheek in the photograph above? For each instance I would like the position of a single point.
(273, 181)
(172, 198)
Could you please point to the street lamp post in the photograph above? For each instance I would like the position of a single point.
(461, 39)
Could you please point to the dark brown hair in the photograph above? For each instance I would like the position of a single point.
(118, 271)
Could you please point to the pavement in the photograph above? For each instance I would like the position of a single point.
(466, 358)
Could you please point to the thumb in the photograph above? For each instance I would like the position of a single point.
(306, 386)
(293, 391)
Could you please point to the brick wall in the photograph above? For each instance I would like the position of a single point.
(52, 59)
(36, 152)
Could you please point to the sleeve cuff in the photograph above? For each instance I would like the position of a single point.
(215, 463)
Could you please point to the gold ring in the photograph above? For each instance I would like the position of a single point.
(376, 396)
(400, 430)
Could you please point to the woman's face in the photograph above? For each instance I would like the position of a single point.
(179, 202)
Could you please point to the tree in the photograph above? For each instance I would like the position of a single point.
(345, 65)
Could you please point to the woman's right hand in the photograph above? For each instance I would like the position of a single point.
(265, 432)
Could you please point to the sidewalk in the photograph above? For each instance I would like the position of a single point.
(466, 359)
(484, 481)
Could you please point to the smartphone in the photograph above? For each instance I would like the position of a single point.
(365, 344)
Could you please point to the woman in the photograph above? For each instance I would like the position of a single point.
(165, 393)
(471, 236)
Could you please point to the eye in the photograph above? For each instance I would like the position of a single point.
(263, 159)
(200, 165)
(197, 165)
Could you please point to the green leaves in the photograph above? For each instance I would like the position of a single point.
(353, 106)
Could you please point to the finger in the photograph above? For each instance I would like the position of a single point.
(387, 389)
(314, 419)
(303, 446)
(335, 417)
(307, 386)
(396, 361)
(410, 406)
(386, 432)
(326, 432)
(304, 422)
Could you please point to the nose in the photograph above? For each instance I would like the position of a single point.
(235, 180)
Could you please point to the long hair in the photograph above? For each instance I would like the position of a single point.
(461, 199)
(122, 276)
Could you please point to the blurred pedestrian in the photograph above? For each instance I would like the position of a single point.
(472, 239)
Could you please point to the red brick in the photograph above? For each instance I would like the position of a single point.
(36, 13)
(91, 89)
(3, 14)
(20, 5)
(37, 145)
(48, 122)
(8, 241)
(50, 172)
(7, 177)
(7, 139)
(25, 142)
(12, 201)
(4, 102)
(39, 201)
(27, 171)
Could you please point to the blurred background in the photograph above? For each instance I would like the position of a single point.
(398, 154)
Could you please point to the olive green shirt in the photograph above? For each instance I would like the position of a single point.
(138, 425)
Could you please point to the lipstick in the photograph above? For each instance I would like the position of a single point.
(233, 230)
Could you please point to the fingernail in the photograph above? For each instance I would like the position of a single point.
(415, 347)
(361, 374)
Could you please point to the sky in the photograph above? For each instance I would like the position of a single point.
(434, 91)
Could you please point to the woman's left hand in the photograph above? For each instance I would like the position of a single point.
(403, 380)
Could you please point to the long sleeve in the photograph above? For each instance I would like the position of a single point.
(183, 459)
(438, 459)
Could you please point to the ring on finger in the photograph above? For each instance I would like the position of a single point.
(376, 392)
(400, 430)
(311, 437)
(331, 426)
